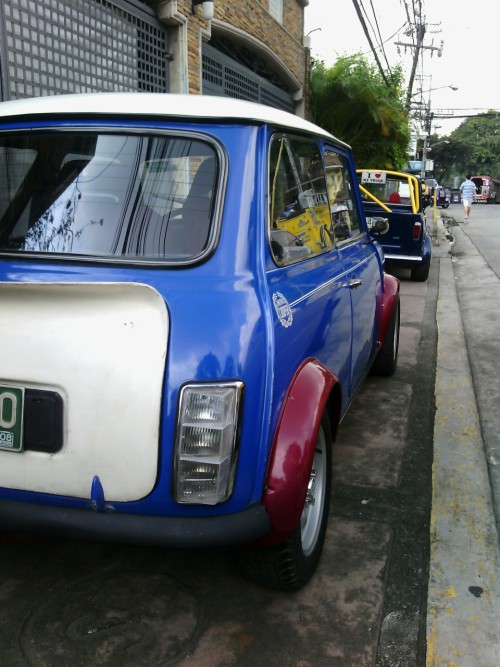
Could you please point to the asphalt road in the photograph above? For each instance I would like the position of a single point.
(67, 603)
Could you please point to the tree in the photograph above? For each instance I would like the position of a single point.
(353, 101)
(474, 148)
(480, 136)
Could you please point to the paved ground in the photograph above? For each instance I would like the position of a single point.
(66, 603)
(463, 628)
(82, 604)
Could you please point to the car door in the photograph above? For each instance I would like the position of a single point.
(359, 258)
(306, 276)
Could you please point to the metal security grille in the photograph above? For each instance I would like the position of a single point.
(224, 76)
(76, 46)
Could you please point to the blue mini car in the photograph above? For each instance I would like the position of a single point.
(190, 301)
(401, 199)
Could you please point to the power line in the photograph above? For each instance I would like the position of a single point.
(471, 109)
(481, 114)
(370, 42)
(387, 40)
(380, 37)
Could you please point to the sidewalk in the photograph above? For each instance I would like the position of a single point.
(463, 624)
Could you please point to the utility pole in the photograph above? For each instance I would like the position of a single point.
(427, 129)
(425, 150)
(416, 54)
(418, 47)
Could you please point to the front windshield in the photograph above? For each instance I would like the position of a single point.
(106, 195)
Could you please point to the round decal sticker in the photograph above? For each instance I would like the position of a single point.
(283, 310)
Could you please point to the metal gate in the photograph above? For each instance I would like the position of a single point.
(224, 76)
(77, 46)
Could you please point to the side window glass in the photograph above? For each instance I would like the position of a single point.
(299, 216)
(343, 207)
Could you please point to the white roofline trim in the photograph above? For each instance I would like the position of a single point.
(159, 104)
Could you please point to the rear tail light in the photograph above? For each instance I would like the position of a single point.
(206, 452)
(417, 228)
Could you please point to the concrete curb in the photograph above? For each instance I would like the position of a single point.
(463, 607)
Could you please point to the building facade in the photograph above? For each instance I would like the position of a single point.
(250, 49)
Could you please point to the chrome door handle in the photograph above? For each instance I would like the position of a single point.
(355, 283)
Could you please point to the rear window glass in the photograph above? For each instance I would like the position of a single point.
(107, 195)
(393, 191)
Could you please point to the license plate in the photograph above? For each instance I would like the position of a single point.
(11, 418)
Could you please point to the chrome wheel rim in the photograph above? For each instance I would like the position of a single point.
(312, 514)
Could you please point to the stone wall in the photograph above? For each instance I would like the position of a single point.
(253, 19)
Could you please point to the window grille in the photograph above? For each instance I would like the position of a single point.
(77, 46)
(224, 76)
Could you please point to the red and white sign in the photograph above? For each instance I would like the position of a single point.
(373, 177)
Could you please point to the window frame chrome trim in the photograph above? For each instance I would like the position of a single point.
(118, 127)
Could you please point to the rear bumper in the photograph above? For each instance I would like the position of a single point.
(111, 527)
(407, 259)
(410, 261)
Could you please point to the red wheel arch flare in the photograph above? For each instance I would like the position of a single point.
(293, 447)
(388, 298)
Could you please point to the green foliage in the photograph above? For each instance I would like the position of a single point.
(352, 101)
(481, 138)
(474, 148)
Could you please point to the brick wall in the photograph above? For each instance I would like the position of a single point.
(252, 17)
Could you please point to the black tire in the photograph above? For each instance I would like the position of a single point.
(420, 273)
(290, 565)
(387, 357)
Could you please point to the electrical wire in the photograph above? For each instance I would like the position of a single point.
(380, 41)
(359, 12)
(366, 53)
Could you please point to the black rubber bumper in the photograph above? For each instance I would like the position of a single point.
(114, 527)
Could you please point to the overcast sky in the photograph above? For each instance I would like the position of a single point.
(471, 52)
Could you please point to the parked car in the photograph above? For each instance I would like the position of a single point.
(443, 197)
(432, 185)
(437, 192)
(402, 199)
(190, 301)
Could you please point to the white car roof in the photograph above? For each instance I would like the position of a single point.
(159, 104)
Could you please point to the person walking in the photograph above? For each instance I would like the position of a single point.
(468, 191)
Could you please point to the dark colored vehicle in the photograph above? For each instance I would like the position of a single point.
(399, 197)
(443, 197)
(191, 299)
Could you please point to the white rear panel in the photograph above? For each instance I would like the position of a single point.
(102, 347)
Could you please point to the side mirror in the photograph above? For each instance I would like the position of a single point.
(378, 225)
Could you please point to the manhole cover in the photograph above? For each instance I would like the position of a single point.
(118, 618)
